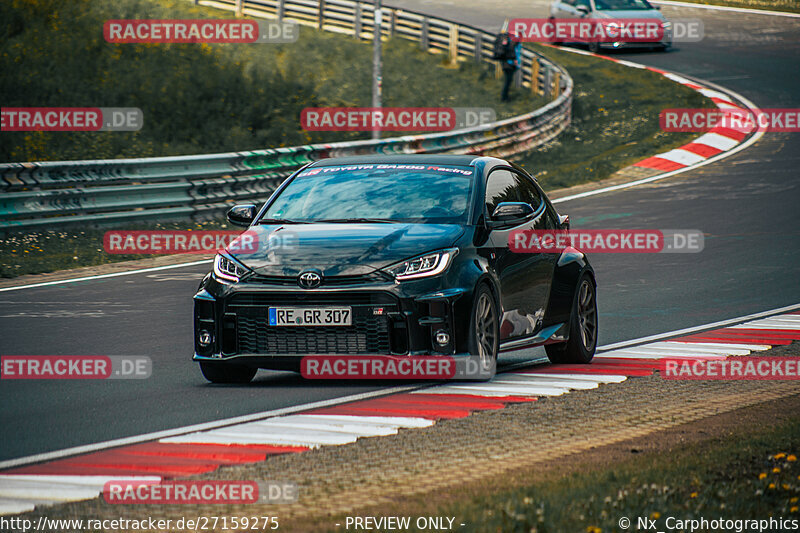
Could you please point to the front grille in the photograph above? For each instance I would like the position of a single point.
(368, 334)
(328, 281)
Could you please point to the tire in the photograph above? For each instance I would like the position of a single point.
(594, 47)
(227, 373)
(582, 342)
(484, 328)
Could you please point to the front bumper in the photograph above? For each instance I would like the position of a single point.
(230, 321)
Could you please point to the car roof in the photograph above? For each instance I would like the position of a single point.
(436, 159)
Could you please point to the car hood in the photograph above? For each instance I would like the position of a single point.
(342, 249)
(629, 14)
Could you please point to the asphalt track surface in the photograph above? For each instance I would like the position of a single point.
(748, 205)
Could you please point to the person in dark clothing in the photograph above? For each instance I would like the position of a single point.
(508, 53)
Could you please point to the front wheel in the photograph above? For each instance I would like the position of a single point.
(227, 373)
(484, 328)
(582, 342)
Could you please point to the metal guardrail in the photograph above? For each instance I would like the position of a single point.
(47, 194)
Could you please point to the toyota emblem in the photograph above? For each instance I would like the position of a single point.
(309, 279)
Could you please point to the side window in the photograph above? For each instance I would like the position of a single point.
(586, 3)
(502, 186)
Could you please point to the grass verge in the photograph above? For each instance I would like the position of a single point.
(738, 475)
(201, 98)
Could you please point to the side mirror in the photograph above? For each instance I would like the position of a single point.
(563, 220)
(583, 9)
(508, 214)
(242, 215)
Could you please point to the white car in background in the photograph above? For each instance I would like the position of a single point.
(614, 9)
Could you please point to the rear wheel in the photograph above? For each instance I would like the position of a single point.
(582, 327)
(484, 328)
(227, 373)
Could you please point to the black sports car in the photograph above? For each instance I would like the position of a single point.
(393, 255)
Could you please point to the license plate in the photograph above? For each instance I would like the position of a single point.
(310, 316)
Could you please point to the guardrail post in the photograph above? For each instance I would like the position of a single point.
(518, 78)
(478, 47)
(393, 21)
(548, 81)
(535, 76)
(424, 41)
(239, 8)
(357, 28)
(453, 44)
(556, 84)
(281, 9)
(321, 17)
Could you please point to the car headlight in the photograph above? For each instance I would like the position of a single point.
(228, 269)
(423, 266)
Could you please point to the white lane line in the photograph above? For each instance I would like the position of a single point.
(643, 355)
(104, 276)
(751, 347)
(728, 8)
(679, 79)
(715, 140)
(361, 430)
(390, 421)
(521, 389)
(682, 157)
(721, 344)
(596, 378)
(652, 350)
(768, 324)
(10, 506)
(445, 390)
(242, 435)
(91, 480)
(695, 329)
(45, 490)
(542, 380)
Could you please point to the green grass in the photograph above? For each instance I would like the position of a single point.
(614, 121)
(199, 98)
(790, 6)
(752, 477)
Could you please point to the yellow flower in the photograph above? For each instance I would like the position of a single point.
(655, 515)
(771, 486)
(693, 495)
(776, 470)
(593, 529)
(779, 456)
(793, 509)
(793, 500)
(792, 458)
(762, 475)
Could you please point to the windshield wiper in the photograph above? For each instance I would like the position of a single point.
(282, 221)
(367, 220)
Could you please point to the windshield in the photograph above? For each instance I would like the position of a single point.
(620, 5)
(375, 193)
